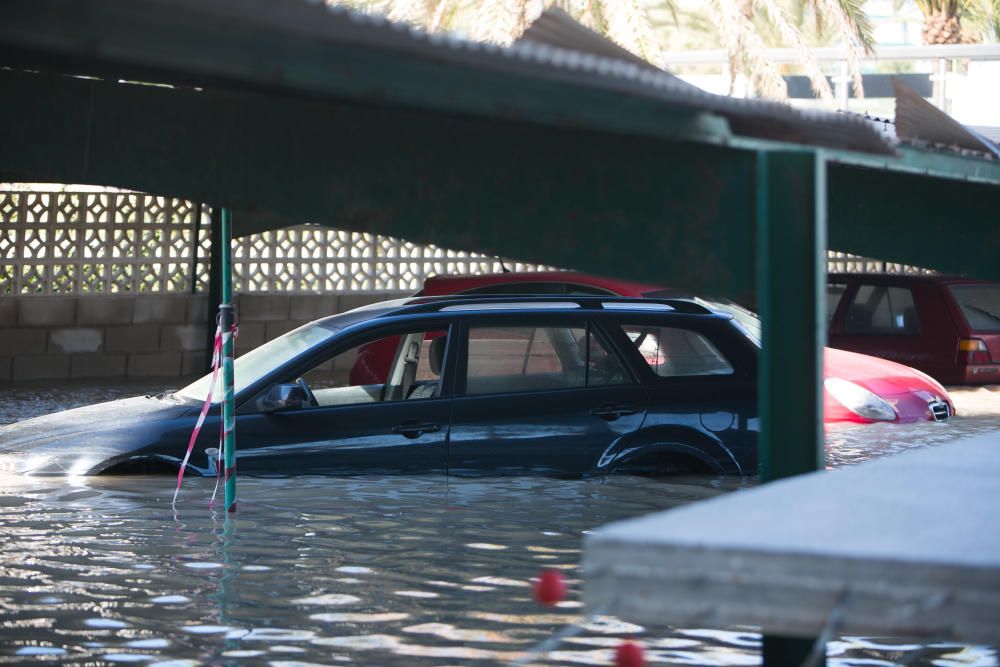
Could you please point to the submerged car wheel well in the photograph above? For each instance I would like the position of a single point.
(141, 466)
(665, 463)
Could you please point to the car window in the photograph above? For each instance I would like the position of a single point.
(512, 359)
(745, 319)
(834, 293)
(359, 375)
(257, 363)
(673, 352)
(603, 367)
(879, 309)
(980, 305)
(505, 359)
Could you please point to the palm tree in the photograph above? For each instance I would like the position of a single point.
(628, 23)
(738, 26)
(943, 20)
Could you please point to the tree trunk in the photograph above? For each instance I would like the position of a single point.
(942, 28)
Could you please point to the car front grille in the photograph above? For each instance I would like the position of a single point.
(939, 409)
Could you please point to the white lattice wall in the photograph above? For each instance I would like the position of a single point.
(101, 242)
(319, 259)
(55, 242)
(842, 262)
(95, 243)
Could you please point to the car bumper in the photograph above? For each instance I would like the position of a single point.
(980, 374)
(921, 406)
(909, 407)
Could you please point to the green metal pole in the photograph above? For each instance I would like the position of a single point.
(227, 320)
(791, 220)
(791, 272)
(214, 281)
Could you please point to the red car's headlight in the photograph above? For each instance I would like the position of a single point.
(859, 400)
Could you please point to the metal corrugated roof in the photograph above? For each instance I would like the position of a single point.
(991, 133)
(556, 29)
(917, 120)
(122, 31)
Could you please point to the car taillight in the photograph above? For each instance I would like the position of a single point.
(973, 351)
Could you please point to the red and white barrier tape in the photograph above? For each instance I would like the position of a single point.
(217, 348)
(225, 427)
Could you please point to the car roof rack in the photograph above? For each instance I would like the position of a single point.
(493, 302)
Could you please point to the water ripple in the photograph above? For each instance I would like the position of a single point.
(395, 571)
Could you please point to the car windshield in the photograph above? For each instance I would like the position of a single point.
(980, 304)
(257, 363)
(747, 320)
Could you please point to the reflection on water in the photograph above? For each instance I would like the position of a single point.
(368, 570)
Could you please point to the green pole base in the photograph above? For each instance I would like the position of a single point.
(780, 651)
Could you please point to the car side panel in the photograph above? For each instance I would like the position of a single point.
(550, 433)
(931, 351)
(902, 348)
(709, 419)
(714, 422)
(346, 439)
(964, 373)
(941, 320)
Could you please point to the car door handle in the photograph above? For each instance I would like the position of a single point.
(415, 430)
(611, 412)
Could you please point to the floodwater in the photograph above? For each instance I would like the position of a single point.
(364, 570)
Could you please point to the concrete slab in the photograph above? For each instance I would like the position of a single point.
(902, 546)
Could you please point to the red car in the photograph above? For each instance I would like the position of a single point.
(859, 388)
(947, 327)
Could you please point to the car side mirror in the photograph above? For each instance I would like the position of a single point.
(283, 397)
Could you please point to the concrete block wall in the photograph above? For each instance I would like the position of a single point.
(161, 335)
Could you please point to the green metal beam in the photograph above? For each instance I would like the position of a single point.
(920, 162)
(788, 652)
(665, 212)
(907, 160)
(944, 224)
(299, 49)
(791, 246)
(791, 219)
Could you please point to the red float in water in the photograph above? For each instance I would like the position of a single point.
(629, 654)
(550, 587)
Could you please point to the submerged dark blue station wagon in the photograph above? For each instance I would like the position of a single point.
(477, 385)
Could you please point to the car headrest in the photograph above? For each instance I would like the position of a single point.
(435, 354)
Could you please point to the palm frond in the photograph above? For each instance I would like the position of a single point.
(982, 19)
(531, 10)
(992, 21)
(437, 18)
(407, 11)
(928, 7)
(497, 21)
(747, 49)
(857, 21)
(671, 7)
(792, 37)
(834, 10)
(628, 25)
